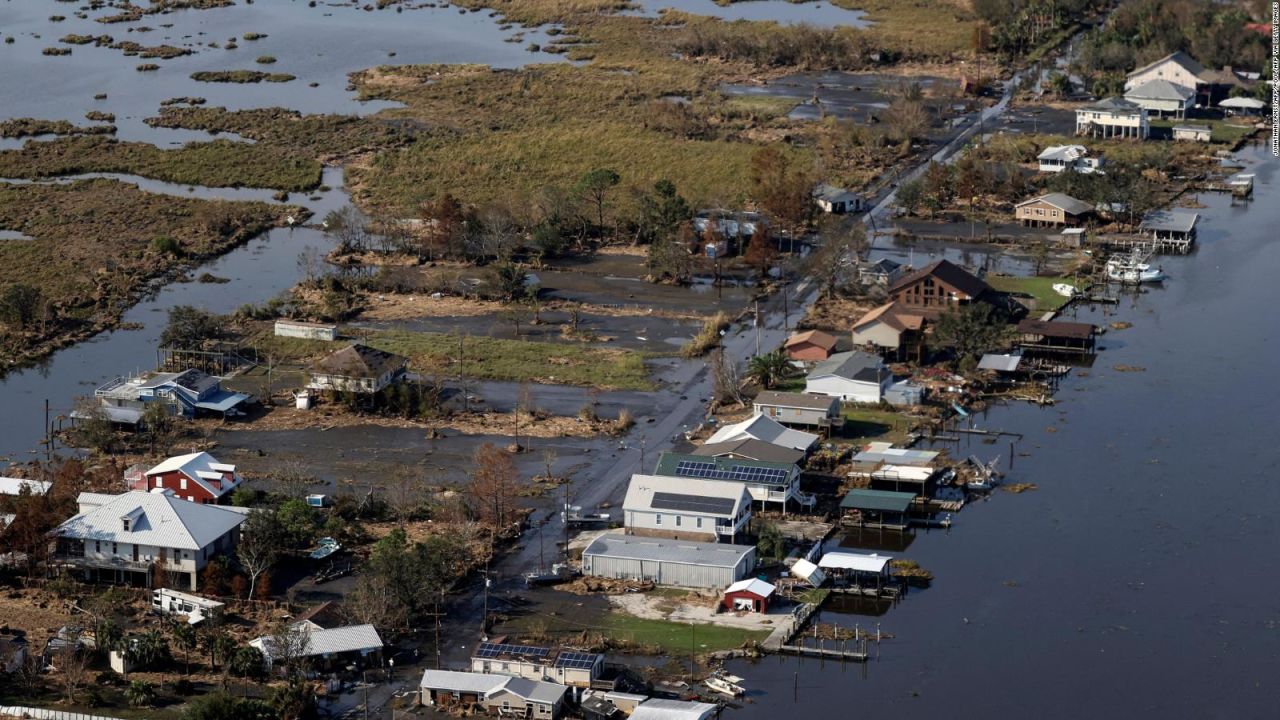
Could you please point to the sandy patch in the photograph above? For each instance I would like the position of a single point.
(696, 608)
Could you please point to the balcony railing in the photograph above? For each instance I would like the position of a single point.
(102, 562)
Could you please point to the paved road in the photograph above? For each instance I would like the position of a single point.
(680, 407)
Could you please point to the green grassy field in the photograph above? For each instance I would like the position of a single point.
(678, 638)
(1040, 288)
(487, 358)
(864, 424)
(1224, 131)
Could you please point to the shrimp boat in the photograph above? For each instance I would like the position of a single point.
(1134, 270)
(726, 684)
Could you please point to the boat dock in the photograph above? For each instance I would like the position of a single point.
(826, 653)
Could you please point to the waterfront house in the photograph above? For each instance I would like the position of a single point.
(1177, 68)
(876, 508)
(751, 449)
(810, 346)
(1060, 158)
(818, 411)
(358, 369)
(668, 562)
(918, 480)
(306, 330)
(565, 666)
(889, 327)
(1171, 229)
(326, 648)
(883, 272)
(137, 538)
(853, 376)
(1193, 133)
(1160, 97)
(836, 200)
(939, 286)
(684, 508)
(1113, 117)
(663, 709)
(187, 394)
(761, 427)
(1056, 336)
(750, 595)
(1052, 209)
(878, 453)
(195, 477)
(765, 481)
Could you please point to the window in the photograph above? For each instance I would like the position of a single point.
(658, 519)
(159, 481)
(699, 522)
(678, 521)
(115, 549)
(97, 546)
(182, 484)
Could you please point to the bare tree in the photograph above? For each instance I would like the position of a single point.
(72, 663)
(261, 538)
(494, 486)
(725, 376)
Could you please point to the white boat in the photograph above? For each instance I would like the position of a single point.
(726, 684)
(1133, 273)
(1065, 289)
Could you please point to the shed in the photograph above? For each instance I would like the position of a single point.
(807, 571)
(668, 562)
(836, 200)
(751, 594)
(810, 346)
(1008, 363)
(876, 508)
(887, 327)
(1193, 133)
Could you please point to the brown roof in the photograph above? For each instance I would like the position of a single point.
(358, 361)
(949, 273)
(826, 341)
(1057, 329)
(895, 317)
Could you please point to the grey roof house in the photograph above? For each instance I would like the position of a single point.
(668, 562)
(820, 411)
(766, 481)
(854, 376)
(685, 508)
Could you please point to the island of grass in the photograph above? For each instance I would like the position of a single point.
(240, 76)
(28, 127)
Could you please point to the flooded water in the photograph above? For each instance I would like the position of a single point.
(1136, 580)
(320, 45)
(783, 12)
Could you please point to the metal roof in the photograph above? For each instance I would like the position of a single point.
(536, 690)
(1063, 202)
(680, 552)
(1170, 220)
(884, 500)
(1113, 106)
(755, 586)
(1160, 89)
(751, 448)
(1242, 103)
(687, 495)
(752, 472)
(857, 562)
(1180, 58)
(1065, 153)
(803, 401)
(329, 641)
(222, 401)
(158, 519)
(808, 572)
(482, 684)
(1000, 363)
(885, 452)
(13, 486)
(662, 709)
(854, 365)
(762, 427)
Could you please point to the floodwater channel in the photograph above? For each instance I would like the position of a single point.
(1136, 581)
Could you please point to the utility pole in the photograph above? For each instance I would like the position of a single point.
(757, 327)
(462, 373)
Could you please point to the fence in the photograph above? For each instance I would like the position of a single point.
(18, 711)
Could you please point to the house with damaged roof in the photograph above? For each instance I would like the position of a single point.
(358, 369)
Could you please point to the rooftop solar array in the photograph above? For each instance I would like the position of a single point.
(741, 473)
(693, 503)
(575, 660)
(493, 650)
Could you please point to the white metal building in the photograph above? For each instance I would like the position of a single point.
(668, 562)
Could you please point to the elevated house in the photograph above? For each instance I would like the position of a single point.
(565, 666)
(187, 394)
(766, 481)
(762, 427)
(325, 648)
(813, 411)
(144, 538)
(1113, 117)
(1171, 230)
(1061, 158)
(357, 369)
(685, 508)
(679, 563)
(1053, 209)
(941, 286)
(836, 200)
(890, 328)
(749, 448)
(1160, 97)
(853, 376)
(196, 477)
(810, 346)
(1177, 68)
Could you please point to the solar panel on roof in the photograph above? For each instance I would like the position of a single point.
(493, 650)
(740, 473)
(576, 660)
(692, 503)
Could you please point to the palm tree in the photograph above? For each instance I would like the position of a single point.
(184, 636)
(770, 369)
(140, 693)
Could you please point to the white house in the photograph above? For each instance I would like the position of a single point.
(356, 368)
(684, 508)
(565, 666)
(1058, 158)
(131, 537)
(1178, 68)
(327, 646)
(174, 602)
(1193, 133)
(1161, 97)
(763, 427)
(853, 376)
(501, 694)
(1113, 117)
(836, 200)
(766, 481)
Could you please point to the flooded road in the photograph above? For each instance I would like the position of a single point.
(1137, 580)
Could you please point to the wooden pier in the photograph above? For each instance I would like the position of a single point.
(828, 653)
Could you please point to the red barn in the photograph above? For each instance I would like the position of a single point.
(197, 477)
(810, 345)
(752, 595)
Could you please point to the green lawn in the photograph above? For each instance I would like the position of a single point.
(1224, 131)
(485, 358)
(1040, 288)
(677, 638)
(863, 424)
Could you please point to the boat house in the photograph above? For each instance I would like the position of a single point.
(876, 508)
(668, 562)
(1056, 336)
(1171, 230)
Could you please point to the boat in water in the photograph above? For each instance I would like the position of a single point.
(726, 684)
(1134, 270)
